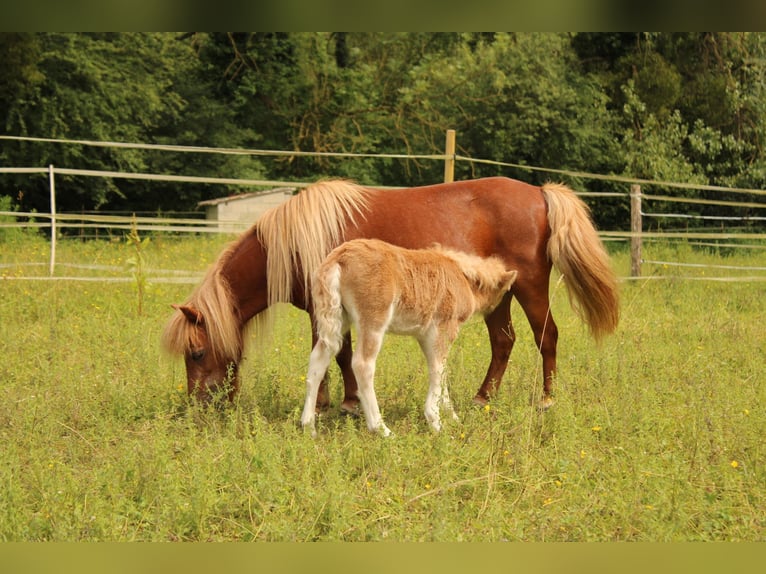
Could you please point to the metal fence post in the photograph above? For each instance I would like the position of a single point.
(635, 230)
(52, 184)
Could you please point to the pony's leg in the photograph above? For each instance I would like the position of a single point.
(501, 340)
(350, 404)
(536, 304)
(319, 361)
(363, 364)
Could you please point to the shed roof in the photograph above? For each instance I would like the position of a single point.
(242, 196)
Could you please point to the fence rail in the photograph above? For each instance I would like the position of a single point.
(634, 193)
(93, 221)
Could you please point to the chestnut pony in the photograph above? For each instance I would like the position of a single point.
(530, 228)
(379, 288)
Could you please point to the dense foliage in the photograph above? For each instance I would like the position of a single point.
(684, 107)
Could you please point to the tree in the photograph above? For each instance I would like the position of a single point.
(19, 53)
(517, 98)
(683, 106)
(108, 87)
(687, 107)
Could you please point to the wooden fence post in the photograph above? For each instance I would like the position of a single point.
(449, 162)
(635, 230)
(52, 185)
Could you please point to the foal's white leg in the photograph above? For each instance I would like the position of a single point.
(447, 338)
(363, 364)
(319, 361)
(435, 347)
(446, 401)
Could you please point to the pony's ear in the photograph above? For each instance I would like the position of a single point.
(508, 278)
(191, 314)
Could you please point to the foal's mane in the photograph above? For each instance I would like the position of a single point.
(301, 232)
(482, 271)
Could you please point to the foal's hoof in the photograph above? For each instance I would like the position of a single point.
(308, 428)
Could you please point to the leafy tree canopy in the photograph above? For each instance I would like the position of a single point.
(685, 107)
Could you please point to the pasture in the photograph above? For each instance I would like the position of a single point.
(656, 434)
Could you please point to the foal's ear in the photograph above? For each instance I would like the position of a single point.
(508, 278)
(191, 314)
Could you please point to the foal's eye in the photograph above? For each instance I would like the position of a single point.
(197, 355)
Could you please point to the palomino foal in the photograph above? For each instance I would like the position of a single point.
(378, 287)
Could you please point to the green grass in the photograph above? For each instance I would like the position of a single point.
(656, 435)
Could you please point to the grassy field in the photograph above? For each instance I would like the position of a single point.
(656, 435)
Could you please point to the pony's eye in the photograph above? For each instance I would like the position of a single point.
(197, 355)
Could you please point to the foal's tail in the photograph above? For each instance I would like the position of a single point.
(328, 307)
(577, 252)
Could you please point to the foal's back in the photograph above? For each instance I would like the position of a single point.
(412, 288)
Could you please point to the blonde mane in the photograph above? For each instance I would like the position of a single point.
(299, 233)
(482, 271)
(213, 299)
(296, 235)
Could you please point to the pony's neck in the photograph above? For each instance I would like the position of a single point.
(245, 271)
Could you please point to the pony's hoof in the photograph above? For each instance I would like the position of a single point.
(480, 401)
(349, 408)
(545, 404)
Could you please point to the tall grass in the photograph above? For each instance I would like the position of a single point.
(655, 435)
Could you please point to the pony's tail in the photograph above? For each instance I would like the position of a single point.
(577, 252)
(328, 306)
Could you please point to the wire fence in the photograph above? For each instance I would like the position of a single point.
(648, 212)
